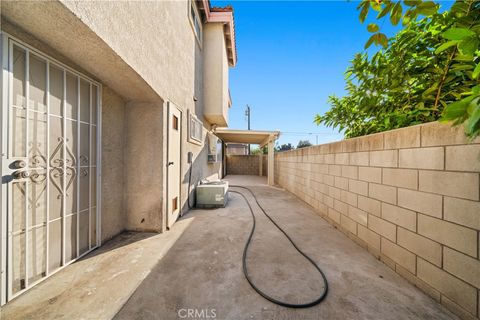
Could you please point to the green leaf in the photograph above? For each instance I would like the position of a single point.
(457, 34)
(385, 10)
(373, 27)
(364, 12)
(474, 118)
(457, 111)
(427, 8)
(375, 5)
(476, 71)
(382, 40)
(412, 3)
(396, 14)
(468, 46)
(461, 67)
(446, 45)
(370, 41)
(461, 57)
(476, 90)
(406, 20)
(430, 90)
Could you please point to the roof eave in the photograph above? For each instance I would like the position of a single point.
(225, 17)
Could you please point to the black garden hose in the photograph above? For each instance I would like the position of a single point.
(247, 245)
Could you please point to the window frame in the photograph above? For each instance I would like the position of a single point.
(191, 130)
(192, 8)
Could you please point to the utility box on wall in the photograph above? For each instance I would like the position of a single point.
(214, 149)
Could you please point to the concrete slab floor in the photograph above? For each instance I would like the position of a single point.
(96, 286)
(203, 271)
(245, 180)
(196, 266)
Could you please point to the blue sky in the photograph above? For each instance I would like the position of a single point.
(291, 57)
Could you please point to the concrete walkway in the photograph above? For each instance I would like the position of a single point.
(203, 271)
(196, 267)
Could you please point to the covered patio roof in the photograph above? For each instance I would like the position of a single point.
(247, 136)
(253, 137)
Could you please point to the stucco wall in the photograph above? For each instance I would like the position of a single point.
(156, 39)
(143, 171)
(216, 74)
(410, 196)
(113, 164)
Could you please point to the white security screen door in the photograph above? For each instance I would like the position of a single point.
(173, 165)
(49, 167)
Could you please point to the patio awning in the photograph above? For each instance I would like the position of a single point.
(247, 136)
(261, 138)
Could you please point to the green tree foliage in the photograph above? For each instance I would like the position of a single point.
(429, 70)
(285, 147)
(303, 144)
(259, 150)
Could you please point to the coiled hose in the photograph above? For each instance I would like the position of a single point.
(247, 245)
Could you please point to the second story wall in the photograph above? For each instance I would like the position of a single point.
(156, 39)
(215, 75)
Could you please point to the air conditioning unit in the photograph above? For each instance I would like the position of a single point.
(214, 149)
(212, 194)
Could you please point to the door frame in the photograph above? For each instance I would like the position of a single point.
(171, 105)
(5, 39)
(4, 141)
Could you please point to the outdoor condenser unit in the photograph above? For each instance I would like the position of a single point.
(212, 194)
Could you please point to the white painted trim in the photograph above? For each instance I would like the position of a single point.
(180, 126)
(98, 165)
(8, 148)
(198, 37)
(4, 142)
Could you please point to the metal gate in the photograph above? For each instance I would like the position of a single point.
(50, 166)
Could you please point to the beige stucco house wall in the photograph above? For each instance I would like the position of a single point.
(145, 55)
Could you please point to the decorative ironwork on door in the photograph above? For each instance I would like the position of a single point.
(51, 177)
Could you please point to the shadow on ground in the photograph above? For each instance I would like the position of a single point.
(203, 271)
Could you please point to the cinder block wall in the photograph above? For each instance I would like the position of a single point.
(409, 196)
(243, 164)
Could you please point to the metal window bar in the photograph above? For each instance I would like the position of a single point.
(27, 187)
(47, 168)
(10, 43)
(78, 166)
(64, 162)
(90, 96)
(98, 166)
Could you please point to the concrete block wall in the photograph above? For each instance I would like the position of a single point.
(265, 165)
(411, 197)
(245, 164)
